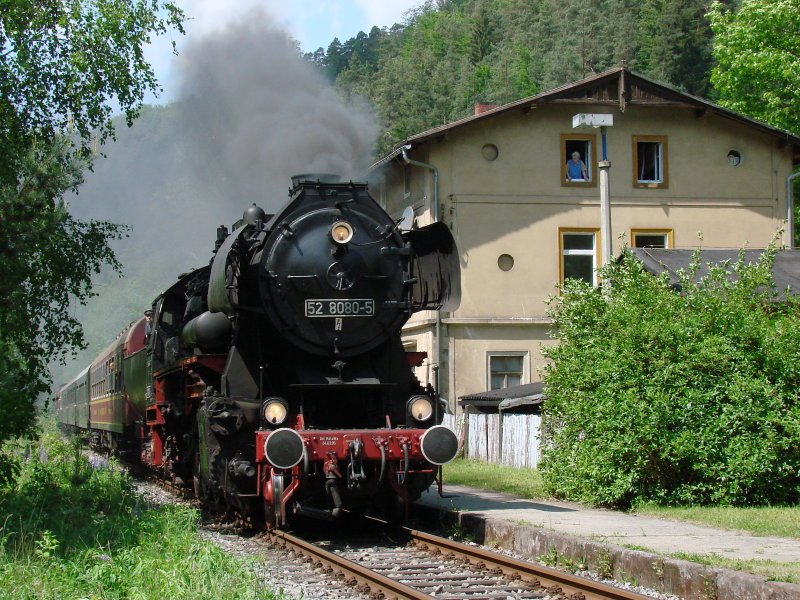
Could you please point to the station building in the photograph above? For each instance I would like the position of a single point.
(684, 173)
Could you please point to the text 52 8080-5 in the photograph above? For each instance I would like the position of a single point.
(340, 308)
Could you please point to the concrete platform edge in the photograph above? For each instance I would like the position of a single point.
(685, 579)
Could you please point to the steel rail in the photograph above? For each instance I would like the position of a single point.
(512, 567)
(553, 581)
(375, 582)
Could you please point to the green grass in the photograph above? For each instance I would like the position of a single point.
(525, 483)
(69, 531)
(781, 521)
(770, 569)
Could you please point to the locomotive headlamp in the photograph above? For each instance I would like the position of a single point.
(341, 232)
(420, 408)
(275, 411)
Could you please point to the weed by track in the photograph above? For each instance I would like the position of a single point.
(69, 529)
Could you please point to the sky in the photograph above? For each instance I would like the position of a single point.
(313, 23)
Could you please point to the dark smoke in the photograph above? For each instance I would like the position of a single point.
(264, 115)
(250, 114)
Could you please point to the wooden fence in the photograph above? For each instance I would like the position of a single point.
(514, 442)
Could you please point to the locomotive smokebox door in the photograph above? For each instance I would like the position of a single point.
(328, 286)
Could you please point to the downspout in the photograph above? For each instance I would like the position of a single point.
(410, 161)
(790, 207)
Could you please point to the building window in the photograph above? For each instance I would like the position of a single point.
(651, 238)
(506, 369)
(490, 152)
(505, 262)
(578, 253)
(650, 161)
(577, 158)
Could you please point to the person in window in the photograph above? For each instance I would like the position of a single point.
(576, 168)
(148, 324)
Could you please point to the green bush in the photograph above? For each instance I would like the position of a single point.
(671, 396)
(68, 530)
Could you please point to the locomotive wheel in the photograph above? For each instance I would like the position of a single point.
(273, 509)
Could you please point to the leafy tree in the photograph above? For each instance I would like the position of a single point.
(65, 66)
(335, 59)
(449, 54)
(757, 53)
(482, 33)
(687, 397)
(47, 260)
(65, 62)
(317, 59)
(675, 43)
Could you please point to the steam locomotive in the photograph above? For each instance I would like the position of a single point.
(273, 380)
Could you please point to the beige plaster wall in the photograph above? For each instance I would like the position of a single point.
(516, 204)
(529, 160)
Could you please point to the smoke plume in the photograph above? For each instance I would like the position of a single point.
(250, 114)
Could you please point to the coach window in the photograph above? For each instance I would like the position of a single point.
(577, 157)
(651, 238)
(506, 369)
(578, 254)
(650, 161)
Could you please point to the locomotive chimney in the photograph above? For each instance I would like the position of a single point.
(316, 178)
(222, 233)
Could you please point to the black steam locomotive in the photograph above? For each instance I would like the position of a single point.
(274, 378)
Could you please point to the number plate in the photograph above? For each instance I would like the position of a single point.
(340, 308)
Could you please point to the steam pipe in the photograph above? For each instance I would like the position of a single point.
(790, 207)
(382, 476)
(410, 161)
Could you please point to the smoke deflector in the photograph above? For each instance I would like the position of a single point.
(436, 268)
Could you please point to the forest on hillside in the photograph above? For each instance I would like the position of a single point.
(450, 54)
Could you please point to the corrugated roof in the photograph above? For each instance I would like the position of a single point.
(785, 271)
(517, 391)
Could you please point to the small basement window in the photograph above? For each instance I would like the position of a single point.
(651, 238)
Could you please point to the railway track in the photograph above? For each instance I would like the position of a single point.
(424, 565)
(431, 566)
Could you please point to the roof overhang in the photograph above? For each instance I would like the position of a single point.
(617, 84)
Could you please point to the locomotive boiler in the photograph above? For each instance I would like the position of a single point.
(274, 380)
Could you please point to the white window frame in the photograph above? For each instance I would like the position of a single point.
(524, 376)
(595, 233)
(661, 179)
(667, 233)
(590, 141)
